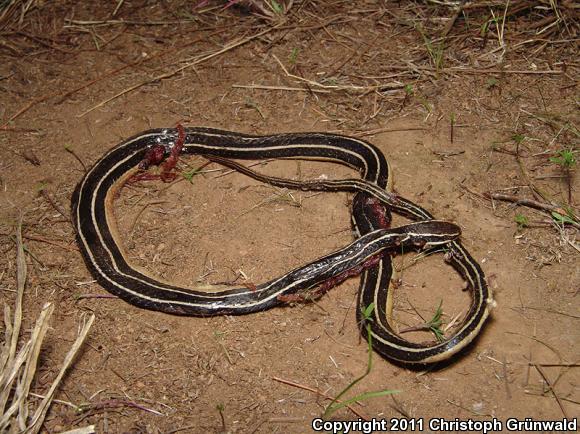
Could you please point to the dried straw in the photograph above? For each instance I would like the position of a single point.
(18, 367)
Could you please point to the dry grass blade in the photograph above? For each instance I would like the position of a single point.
(19, 368)
(15, 9)
(357, 412)
(270, 10)
(4, 354)
(85, 430)
(20, 283)
(30, 354)
(12, 372)
(40, 414)
(13, 330)
(170, 74)
(551, 389)
(351, 88)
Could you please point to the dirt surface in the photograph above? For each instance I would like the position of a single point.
(461, 127)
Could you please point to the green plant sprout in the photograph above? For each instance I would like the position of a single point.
(250, 103)
(436, 52)
(189, 174)
(276, 7)
(220, 408)
(436, 322)
(522, 221)
(293, 55)
(566, 159)
(451, 125)
(491, 83)
(518, 138)
(40, 186)
(334, 405)
(563, 219)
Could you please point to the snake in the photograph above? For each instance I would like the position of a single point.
(102, 249)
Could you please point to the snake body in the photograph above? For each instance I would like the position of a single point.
(100, 243)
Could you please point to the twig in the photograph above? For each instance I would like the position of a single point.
(551, 388)
(505, 378)
(18, 130)
(319, 393)
(28, 107)
(523, 201)
(476, 413)
(460, 70)
(388, 130)
(139, 62)
(83, 296)
(543, 395)
(286, 419)
(89, 429)
(448, 153)
(73, 153)
(178, 70)
(357, 55)
(533, 338)
(354, 88)
(56, 401)
(557, 312)
(534, 204)
(557, 365)
(182, 428)
(55, 205)
(139, 213)
(452, 20)
(84, 23)
(535, 191)
(284, 88)
(117, 403)
(119, 4)
(574, 246)
(52, 242)
(552, 122)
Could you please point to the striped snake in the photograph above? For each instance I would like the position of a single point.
(100, 243)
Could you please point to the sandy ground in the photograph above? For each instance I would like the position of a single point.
(450, 136)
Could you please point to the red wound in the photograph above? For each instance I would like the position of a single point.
(155, 156)
(379, 211)
(166, 169)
